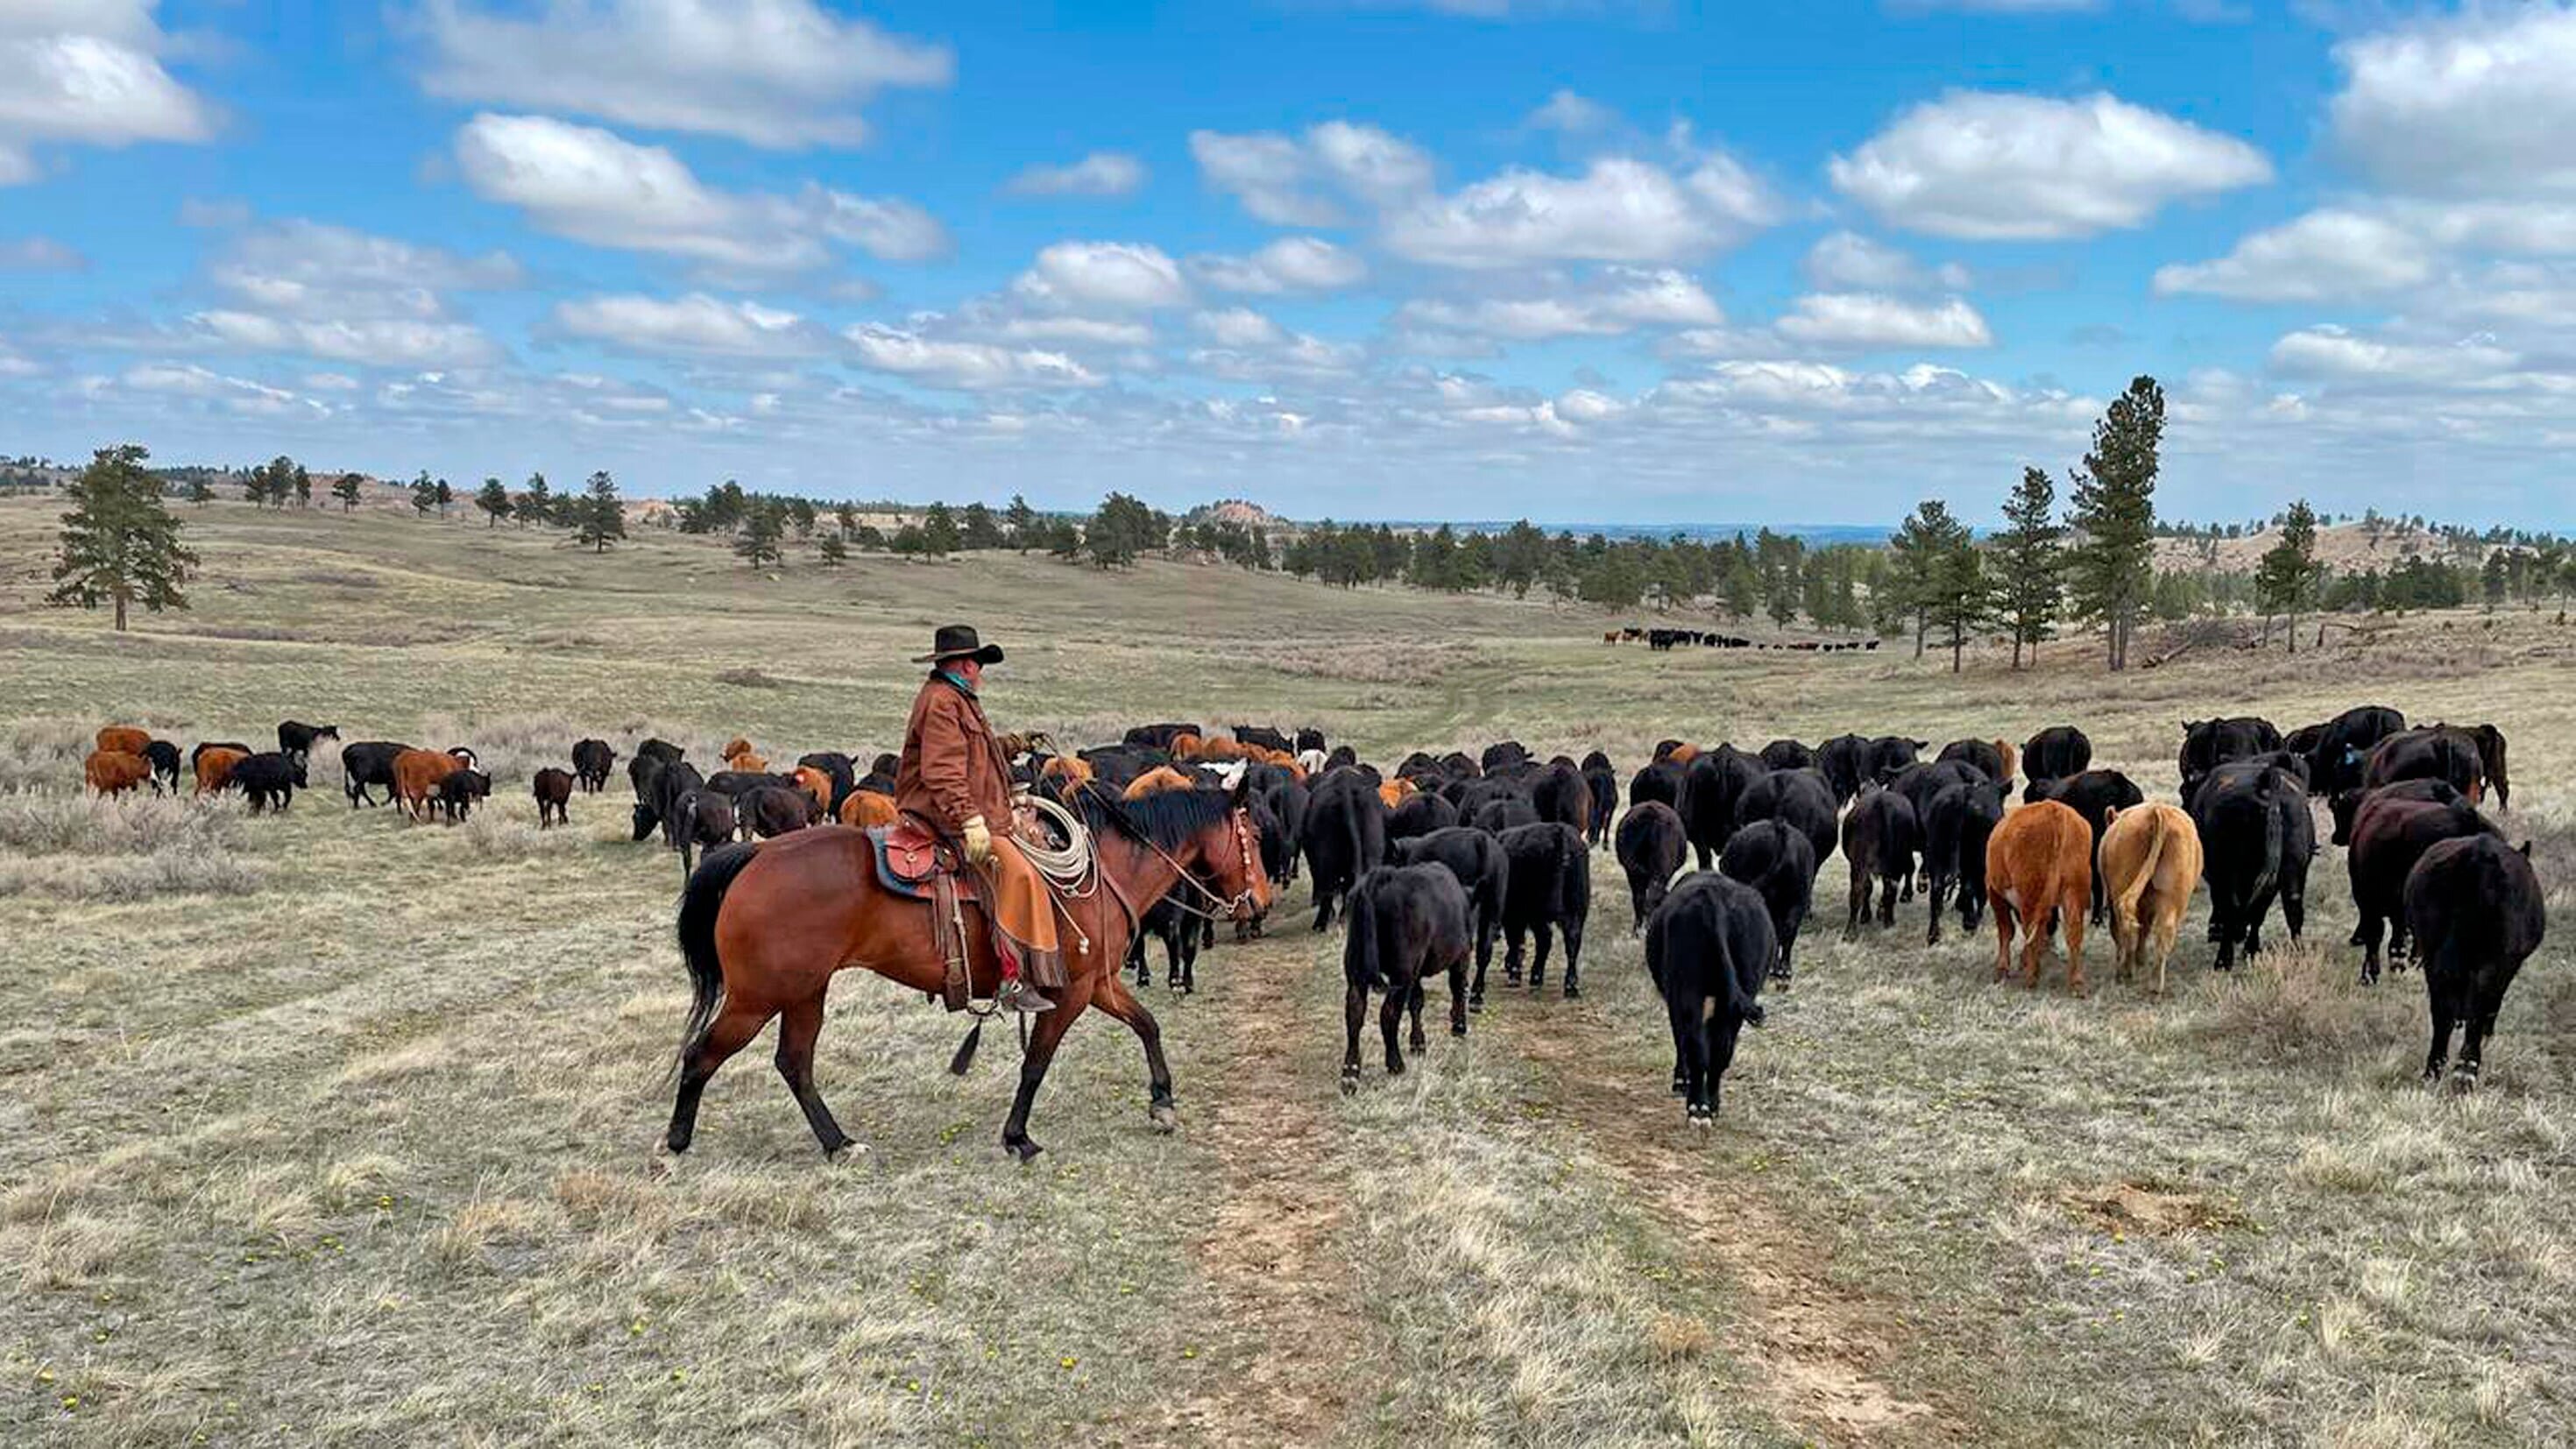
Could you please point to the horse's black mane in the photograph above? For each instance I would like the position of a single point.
(1166, 818)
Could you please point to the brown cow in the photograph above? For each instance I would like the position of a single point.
(123, 740)
(735, 746)
(1683, 754)
(417, 774)
(1186, 746)
(215, 768)
(1070, 770)
(2039, 875)
(1396, 791)
(814, 782)
(113, 772)
(748, 763)
(1156, 781)
(866, 808)
(2150, 867)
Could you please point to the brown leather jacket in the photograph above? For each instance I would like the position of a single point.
(953, 766)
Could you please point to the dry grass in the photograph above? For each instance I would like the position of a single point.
(349, 1145)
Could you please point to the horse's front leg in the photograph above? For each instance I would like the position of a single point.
(1123, 1005)
(1043, 1040)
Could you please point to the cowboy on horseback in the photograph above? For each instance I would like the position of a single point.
(956, 778)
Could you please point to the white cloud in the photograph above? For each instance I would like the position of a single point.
(314, 290)
(2008, 167)
(2336, 354)
(1238, 327)
(2324, 255)
(40, 254)
(1849, 262)
(2480, 104)
(1572, 115)
(776, 73)
(234, 394)
(1290, 264)
(1294, 181)
(1868, 321)
(696, 324)
(968, 366)
(1618, 300)
(1125, 276)
(1102, 173)
(596, 187)
(1618, 210)
(377, 341)
(87, 74)
(1070, 331)
(214, 214)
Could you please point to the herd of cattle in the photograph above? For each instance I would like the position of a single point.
(1433, 862)
(1661, 640)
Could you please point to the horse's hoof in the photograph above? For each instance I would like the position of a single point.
(1458, 1028)
(1573, 992)
(1350, 1084)
(1165, 1117)
(848, 1154)
(1024, 1149)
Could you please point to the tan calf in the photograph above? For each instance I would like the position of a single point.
(2039, 875)
(2150, 867)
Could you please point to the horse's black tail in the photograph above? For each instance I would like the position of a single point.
(700, 899)
(965, 1058)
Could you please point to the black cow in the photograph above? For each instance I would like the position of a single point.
(1779, 862)
(1881, 837)
(1890, 754)
(1919, 783)
(1482, 868)
(769, 811)
(739, 783)
(2343, 745)
(837, 767)
(1651, 846)
(2478, 913)
(2346, 806)
(2432, 753)
(1707, 950)
(1561, 794)
(296, 739)
(1844, 759)
(1503, 755)
(269, 779)
(1550, 885)
(1800, 797)
(1310, 738)
(459, 789)
(1180, 930)
(2093, 794)
(1505, 812)
(2210, 743)
(591, 762)
(2256, 836)
(1420, 814)
(1603, 783)
(2490, 741)
(659, 788)
(1407, 923)
(1955, 831)
(2055, 753)
(1986, 755)
(163, 757)
(2389, 833)
(553, 791)
(1661, 780)
(368, 763)
(699, 819)
(662, 750)
(1712, 798)
(1287, 802)
(1787, 755)
(1268, 739)
(1160, 736)
(1344, 838)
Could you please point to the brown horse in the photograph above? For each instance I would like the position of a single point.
(764, 927)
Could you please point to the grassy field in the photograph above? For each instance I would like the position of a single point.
(323, 1129)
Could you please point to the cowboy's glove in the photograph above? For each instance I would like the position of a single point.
(979, 840)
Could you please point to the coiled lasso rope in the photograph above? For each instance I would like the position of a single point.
(1068, 867)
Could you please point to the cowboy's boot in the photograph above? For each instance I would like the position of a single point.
(1017, 995)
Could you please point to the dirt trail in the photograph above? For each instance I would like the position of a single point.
(1270, 1255)
(1814, 1350)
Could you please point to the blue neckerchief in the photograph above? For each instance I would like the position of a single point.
(963, 687)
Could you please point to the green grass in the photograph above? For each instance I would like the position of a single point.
(324, 1129)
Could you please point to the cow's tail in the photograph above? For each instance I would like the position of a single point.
(1736, 996)
(700, 900)
(2125, 907)
(1365, 962)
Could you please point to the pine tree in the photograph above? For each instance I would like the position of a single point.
(303, 487)
(119, 543)
(424, 495)
(756, 542)
(1959, 600)
(255, 485)
(200, 491)
(445, 496)
(536, 501)
(1919, 548)
(834, 552)
(600, 516)
(2286, 579)
(494, 499)
(1019, 523)
(939, 535)
(2030, 564)
(845, 516)
(2112, 571)
(345, 488)
(977, 528)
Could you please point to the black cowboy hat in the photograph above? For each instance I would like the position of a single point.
(958, 640)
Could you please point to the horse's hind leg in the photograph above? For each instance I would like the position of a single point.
(1123, 1005)
(798, 1027)
(729, 1033)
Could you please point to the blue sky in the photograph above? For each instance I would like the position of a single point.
(1477, 258)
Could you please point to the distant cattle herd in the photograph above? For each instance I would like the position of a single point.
(1431, 862)
(1661, 640)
